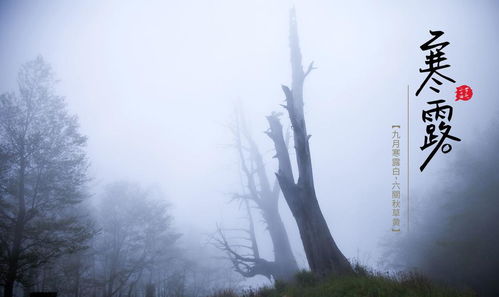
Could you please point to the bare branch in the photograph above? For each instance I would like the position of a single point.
(310, 68)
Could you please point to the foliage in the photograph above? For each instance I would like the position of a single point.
(136, 237)
(43, 174)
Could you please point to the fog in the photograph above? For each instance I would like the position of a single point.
(155, 85)
(454, 237)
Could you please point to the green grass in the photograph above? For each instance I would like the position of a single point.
(362, 284)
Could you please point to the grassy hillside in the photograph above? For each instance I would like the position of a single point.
(363, 284)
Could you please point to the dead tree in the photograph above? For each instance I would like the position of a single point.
(265, 197)
(245, 258)
(322, 253)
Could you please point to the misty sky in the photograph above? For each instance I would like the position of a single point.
(154, 84)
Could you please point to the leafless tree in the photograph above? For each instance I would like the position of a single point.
(258, 192)
(323, 255)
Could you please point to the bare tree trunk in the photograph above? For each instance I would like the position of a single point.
(150, 290)
(78, 276)
(285, 263)
(323, 255)
(110, 285)
(266, 199)
(15, 252)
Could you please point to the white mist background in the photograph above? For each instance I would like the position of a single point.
(154, 84)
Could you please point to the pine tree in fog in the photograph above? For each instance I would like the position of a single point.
(43, 175)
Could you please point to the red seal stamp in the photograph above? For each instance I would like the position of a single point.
(464, 93)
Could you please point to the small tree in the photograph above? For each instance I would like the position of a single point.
(43, 175)
(137, 238)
